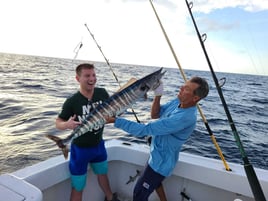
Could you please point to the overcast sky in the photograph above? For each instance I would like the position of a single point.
(128, 32)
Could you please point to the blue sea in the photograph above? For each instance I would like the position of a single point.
(33, 89)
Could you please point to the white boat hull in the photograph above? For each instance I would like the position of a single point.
(202, 179)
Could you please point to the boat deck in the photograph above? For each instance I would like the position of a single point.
(201, 178)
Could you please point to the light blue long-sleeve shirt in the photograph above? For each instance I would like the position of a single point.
(169, 132)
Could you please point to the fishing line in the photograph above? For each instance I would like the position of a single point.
(213, 57)
(248, 47)
(250, 172)
(108, 63)
(199, 108)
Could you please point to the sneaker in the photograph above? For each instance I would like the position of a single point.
(114, 198)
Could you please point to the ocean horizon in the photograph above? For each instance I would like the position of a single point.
(33, 89)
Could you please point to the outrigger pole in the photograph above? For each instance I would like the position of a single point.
(199, 108)
(250, 172)
(77, 48)
(108, 63)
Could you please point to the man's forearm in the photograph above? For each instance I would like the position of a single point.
(60, 124)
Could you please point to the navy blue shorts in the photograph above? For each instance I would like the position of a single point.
(147, 183)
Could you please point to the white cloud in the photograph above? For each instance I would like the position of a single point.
(207, 6)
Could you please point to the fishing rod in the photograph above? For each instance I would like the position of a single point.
(250, 172)
(108, 63)
(199, 108)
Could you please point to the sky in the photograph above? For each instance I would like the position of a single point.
(128, 32)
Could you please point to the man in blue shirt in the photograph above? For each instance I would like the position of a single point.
(175, 122)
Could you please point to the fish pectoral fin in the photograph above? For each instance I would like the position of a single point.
(145, 96)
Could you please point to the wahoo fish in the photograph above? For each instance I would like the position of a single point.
(112, 107)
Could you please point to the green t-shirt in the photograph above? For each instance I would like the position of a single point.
(80, 106)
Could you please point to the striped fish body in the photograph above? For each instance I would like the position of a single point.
(112, 107)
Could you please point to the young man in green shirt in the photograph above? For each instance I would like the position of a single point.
(88, 148)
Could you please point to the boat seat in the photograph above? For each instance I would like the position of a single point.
(14, 189)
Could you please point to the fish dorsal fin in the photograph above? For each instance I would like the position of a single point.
(130, 81)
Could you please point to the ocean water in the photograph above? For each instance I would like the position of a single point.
(33, 89)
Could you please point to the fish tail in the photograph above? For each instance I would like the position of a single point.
(60, 144)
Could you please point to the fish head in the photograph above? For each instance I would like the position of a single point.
(151, 81)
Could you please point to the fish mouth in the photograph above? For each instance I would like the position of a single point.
(159, 77)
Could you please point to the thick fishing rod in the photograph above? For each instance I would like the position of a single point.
(250, 172)
(199, 108)
(108, 63)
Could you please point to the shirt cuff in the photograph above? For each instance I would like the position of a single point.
(117, 122)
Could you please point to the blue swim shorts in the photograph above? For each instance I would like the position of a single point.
(80, 158)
